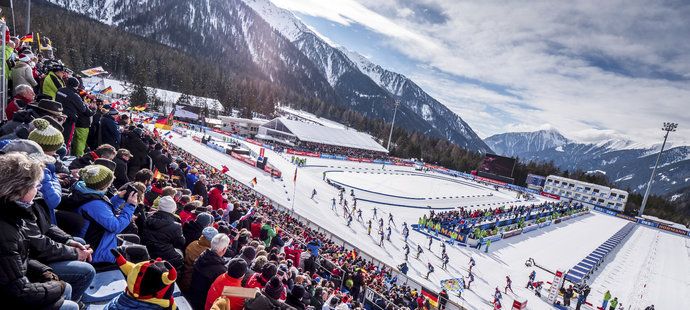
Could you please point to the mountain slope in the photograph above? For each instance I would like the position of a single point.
(514, 144)
(625, 163)
(367, 87)
(282, 51)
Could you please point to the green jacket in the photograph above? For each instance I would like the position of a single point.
(51, 84)
(8, 55)
(271, 234)
(607, 295)
(614, 303)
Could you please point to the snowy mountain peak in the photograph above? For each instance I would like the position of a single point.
(281, 19)
(513, 143)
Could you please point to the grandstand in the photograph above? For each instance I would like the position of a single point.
(317, 137)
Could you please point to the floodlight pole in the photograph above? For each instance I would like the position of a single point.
(668, 127)
(3, 80)
(390, 135)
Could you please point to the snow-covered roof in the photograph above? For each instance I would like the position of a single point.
(169, 97)
(330, 136)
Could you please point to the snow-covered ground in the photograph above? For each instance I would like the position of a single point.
(658, 259)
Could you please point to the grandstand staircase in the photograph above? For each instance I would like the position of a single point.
(585, 268)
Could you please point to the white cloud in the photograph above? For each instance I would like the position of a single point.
(619, 66)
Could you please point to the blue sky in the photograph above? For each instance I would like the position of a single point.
(591, 69)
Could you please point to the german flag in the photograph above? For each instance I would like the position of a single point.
(165, 123)
(253, 182)
(106, 90)
(156, 174)
(29, 38)
(433, 298)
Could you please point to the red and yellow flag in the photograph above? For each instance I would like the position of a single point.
(29, 38)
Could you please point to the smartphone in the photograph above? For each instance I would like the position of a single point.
(129, 190)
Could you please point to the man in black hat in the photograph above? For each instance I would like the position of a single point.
(54, 80)
(19, 126)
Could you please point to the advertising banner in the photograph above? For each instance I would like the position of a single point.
(552, 196)
(673, 229)
(648, 223)
(512, 233)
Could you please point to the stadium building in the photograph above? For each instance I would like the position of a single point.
(588, 193)
(298, 134)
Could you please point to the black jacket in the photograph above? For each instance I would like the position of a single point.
(83, 161)
(109, 132)
(18, 286)
(92, 140)
(160, 161)
(201, 190)
(191, 231)
(121, 177)
(179, 178)
(49, 239)
(162, 234)
(139, 150)
(73, 106)
(207, 267)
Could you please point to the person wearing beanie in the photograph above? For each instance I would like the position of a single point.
(248, 253)
(298, 297)
(259, 279)
(22, 72)
(209, 266)
(178, 175)
(162, 234)
(269, 297)
(104, 218)
(79, 115)
(49, 138)
(233, 277)
(192, 230)
(192, 252)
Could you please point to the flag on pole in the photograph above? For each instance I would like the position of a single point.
(29, 38)
(253, 182)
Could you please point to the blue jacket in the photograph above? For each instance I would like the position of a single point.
(51, 190)
(313, 247)
(109, 132)
(102, 234)
(191, 180)
(124, 302)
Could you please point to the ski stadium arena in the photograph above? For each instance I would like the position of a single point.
(639, 261)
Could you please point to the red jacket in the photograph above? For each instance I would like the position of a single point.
(216, 200)
(255, 229)
(294, 254)
(256, 281)
(186, 216)
(13, 106)
(216, 290)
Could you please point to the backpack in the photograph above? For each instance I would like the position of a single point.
(263, 235)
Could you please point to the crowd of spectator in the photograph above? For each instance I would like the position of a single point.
(463, 220)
